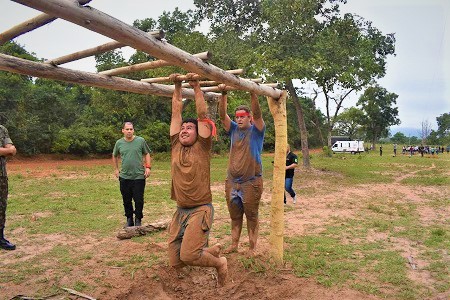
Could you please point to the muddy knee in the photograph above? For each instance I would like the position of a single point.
(190, 255)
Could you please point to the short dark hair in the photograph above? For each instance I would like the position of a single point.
(243, 107)
(127, 122)
(191, 120)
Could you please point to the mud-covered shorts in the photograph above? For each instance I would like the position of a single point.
(188, 234)
(244, 198)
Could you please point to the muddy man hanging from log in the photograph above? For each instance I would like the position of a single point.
(191, 141)
(244, 184)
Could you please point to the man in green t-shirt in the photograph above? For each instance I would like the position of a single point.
(136, 165)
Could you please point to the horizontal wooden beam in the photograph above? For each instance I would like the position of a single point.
(106, 25)
(25, 27)
(211, 83)
(184, 77)
(149, 65)
(29, 25)
(158, 34)
(230, 88)
(36, 69)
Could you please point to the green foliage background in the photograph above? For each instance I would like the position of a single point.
(278, 40)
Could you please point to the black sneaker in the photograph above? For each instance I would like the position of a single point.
(130, 222)
(137, 222)
(5, 244)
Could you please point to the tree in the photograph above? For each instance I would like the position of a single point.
(443, 131)
(301, 122)
(348, 123)
(425, 131)
(230, 16)
(349, 54)
(379, 113)
(399, 138)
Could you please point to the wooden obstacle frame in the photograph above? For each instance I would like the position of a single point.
(152, 43)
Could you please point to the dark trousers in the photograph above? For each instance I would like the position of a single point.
(3, 200)
(132, 189)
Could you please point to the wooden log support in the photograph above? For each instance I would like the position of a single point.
(30, 25)
(25, 27)
(212, 83)
(129, 232)
(149, 65)
(218, 89)
(278, 111)
(36, 69)
(106, 25)
(158, 34)
(184, 77)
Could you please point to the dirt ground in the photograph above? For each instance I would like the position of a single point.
(158, 282)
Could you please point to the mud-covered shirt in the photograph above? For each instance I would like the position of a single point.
(190, 168)
(245, 153)
(4, 140)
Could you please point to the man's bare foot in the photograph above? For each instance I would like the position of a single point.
(231, 249)
(250, 253)
(222, 271)
(215, 250)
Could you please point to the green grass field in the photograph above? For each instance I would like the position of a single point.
(398, 207)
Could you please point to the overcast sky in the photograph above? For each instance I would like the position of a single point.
(419, 73)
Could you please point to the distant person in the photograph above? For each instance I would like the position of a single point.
(381, 150)
(7, 149)
(190, 168)
(291, 164)
(395, 149)
(404, 150)
(421, 150)
(135, 168)
(244, 183)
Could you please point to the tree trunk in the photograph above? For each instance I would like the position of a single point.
(316, 120)
(278, 110)
(301, 124)
(329, 138)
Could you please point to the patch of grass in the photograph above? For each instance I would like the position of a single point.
(427, 180)
(80, 286)
(254, 264)
(323, 257)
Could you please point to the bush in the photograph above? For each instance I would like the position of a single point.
(157, 136)
(83, 140)
(327, 151)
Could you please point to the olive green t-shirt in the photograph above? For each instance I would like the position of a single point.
(131, 154)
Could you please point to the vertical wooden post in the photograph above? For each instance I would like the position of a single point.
(278, 110)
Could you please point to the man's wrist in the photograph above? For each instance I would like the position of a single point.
(148, 167)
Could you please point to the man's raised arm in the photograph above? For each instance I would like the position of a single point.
(257, 114)
(204, 129)
(223, 103)
(177, 106)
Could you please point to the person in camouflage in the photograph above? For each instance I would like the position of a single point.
(6, 149)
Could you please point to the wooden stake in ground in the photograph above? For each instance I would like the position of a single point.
(129, 232)
(278, 110)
